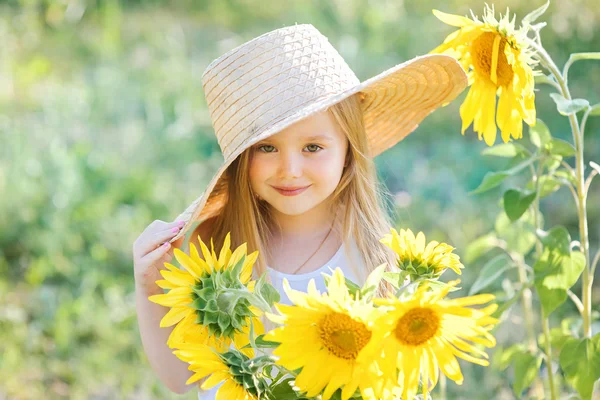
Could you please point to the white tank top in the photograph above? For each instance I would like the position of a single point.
(355, 271)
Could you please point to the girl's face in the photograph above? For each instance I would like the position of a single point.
(298, 168)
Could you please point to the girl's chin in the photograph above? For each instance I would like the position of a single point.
(295, 207)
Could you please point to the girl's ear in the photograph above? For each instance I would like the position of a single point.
(347, 160)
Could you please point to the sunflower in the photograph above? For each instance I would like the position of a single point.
(499, 60)
(418, 260)
(241, 376)
(331, 337)
(426, 333)
(201, 297)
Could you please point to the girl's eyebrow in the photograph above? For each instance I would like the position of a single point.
(318, 138)
(315, 138)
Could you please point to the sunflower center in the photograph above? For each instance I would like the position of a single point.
(417, 326)
(496, 69)
(343, 336)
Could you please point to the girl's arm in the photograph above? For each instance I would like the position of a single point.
(170, 370)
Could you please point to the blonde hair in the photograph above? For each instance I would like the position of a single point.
(359, 194)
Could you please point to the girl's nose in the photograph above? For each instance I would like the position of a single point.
(290, 165)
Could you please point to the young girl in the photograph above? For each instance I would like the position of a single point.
(298, 132)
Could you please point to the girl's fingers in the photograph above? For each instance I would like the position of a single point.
(165, 235)
(153, 240)
(156, 254)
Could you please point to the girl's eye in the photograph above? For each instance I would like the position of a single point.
(313, 148)
(266, 148)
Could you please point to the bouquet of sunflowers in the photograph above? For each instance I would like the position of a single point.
(347, 343)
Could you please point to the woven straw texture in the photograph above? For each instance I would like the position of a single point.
(274, 80)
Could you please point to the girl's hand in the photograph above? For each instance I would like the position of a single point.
(150, 253)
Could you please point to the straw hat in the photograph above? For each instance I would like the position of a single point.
(274, 80)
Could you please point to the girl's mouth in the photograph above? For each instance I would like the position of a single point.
(291, 191)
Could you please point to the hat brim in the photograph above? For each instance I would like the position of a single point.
(394, 102)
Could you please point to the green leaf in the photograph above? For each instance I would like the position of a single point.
(519, 235)
(545, 79)
(503, 357)
(558, 337)
(548, 185)
(493, 179)
(480, 246)
(517, 202)
(552, 163)
(396, 279)
(490, 181)
(568, 107)
(566, 174)
(557, 269)
(595, 110)
(580, 362)
(284, 390)
(369, 289)
(270, 294)
(535, 14)
(353, 288)
(490, 272)
(539, 134)
(261, 342)
(504, 150)
(561, 148)
(503, 306)
(527, 366)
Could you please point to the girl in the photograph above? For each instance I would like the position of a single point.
(298, 132)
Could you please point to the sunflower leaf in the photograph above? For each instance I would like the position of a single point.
(568, 107)
(595, 110)
(504, 150)
(535, 14)
(396, 279)
(527, 366)
(261, 342)
(539, 134)
(493, 179)
(580, 361)
(548, 185)
(557, 269)
(545, 79)
(490, 272)
(567, 175)
(353, 288)
(480, 246)
(561, 148)
(369, 289)
(519, 235)
(517, 202)
(503, 357)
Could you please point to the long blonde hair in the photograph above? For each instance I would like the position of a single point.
(359, 193)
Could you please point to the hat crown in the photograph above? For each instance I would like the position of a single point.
(270, 78)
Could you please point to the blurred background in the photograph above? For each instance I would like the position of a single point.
(104, 128)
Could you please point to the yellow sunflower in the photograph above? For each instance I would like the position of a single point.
(419, 260)
(231, 368)
(427, 333)
(499, 61)
(200, 297)
(332, 337)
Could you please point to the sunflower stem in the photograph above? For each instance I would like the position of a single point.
(586, 286)
(546, 329)
(443, 387)
(538, 250)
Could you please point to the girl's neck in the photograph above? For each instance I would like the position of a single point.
(313, 223)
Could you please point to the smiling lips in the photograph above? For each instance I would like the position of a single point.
(291, 190)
